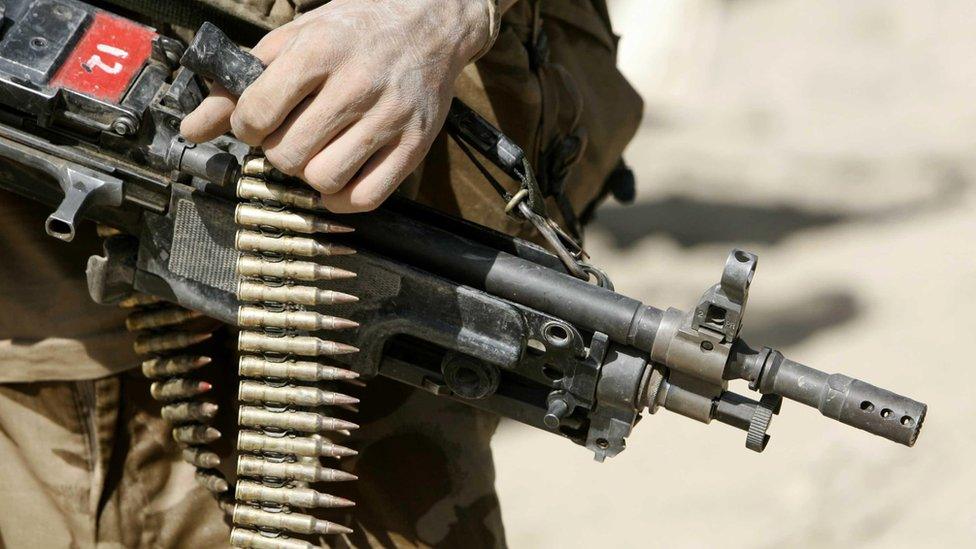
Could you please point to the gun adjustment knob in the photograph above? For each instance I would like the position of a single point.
(762, 416)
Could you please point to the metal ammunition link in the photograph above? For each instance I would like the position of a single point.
(164, 332)
(282, 423)
(250, 539)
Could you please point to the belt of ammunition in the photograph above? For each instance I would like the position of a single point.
(282, 402)
(165, 334)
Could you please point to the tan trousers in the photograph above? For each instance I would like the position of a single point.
(92, 460)
(92, 464)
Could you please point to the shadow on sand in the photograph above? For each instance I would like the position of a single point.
(691, 221)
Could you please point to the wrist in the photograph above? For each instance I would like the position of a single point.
(483, 19)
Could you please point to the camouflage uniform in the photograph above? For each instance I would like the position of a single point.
(86, 458)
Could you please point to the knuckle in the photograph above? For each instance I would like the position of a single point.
(397, 112)
(285, 159)
(273, 41)
(368, 142)
(309, 51)
(366, 202)
(371, 203)
(323, 180)
(358, 85)
(248, 127)
(353, 90)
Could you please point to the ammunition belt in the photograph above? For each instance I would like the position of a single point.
(171, 338)
(288, 392)
(288, 402)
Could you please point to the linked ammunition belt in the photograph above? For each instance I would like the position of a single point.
(170, 337)
(284, 422)
(288, 399)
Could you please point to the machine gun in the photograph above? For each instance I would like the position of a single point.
(90, 105)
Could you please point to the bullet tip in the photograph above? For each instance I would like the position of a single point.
(343, 502)
(332, 528)
(339, 297)
(344, 324)
(342, 451)
(344, 349)
(338, 249)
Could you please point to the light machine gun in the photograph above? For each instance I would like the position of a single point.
(90, 105)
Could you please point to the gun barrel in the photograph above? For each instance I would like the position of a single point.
(848, 400)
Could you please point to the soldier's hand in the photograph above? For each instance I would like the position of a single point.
(353, 95)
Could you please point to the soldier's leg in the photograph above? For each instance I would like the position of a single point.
(91, 463)
(46, 469)
(151, 498)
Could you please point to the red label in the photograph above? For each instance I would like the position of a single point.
(107, 58)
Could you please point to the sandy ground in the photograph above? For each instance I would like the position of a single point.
(837, 140)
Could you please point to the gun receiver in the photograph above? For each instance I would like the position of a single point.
(447, 306)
